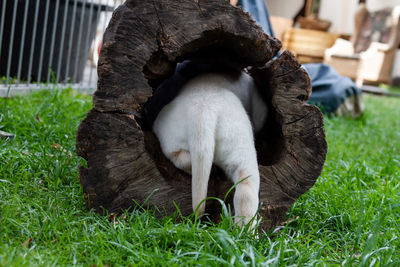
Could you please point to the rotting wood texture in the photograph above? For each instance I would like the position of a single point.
(141, 47)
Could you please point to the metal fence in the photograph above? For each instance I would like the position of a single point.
(45, 43)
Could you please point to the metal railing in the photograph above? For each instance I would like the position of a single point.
(45, 43)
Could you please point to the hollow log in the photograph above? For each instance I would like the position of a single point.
(141, 48)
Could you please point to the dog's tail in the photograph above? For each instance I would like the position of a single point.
(202, 147)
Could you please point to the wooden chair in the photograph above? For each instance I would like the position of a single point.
(368, 56)
(308, 45)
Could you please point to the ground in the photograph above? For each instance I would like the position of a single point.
(351, 216)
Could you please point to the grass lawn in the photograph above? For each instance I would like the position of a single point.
(351, 216)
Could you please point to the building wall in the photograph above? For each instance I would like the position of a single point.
(284, 8)
(379, 4)
(340, 13)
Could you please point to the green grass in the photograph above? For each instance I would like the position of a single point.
(392, 89)
(351, 216)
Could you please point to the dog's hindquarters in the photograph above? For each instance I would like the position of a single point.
(207, 123)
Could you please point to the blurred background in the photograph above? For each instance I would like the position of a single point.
(53, 42)
(359, 39)
(57, 42)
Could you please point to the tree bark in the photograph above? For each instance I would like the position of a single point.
(141, 47)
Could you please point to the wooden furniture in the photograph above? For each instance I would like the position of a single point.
(368, 56)
(307, 17)
(142, 45)
(314, 23)
(308, 45)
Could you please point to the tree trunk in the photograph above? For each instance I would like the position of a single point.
(142, 45)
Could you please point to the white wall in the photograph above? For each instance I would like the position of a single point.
(284, 8)
(340, 13)
(373, 5)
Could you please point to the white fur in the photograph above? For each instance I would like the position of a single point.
(207, 123)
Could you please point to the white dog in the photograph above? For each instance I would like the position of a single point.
(208, 122)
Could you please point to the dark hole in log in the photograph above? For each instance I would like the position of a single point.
(157, 69)
(302, 97)
(217, 44)
(269, 141)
